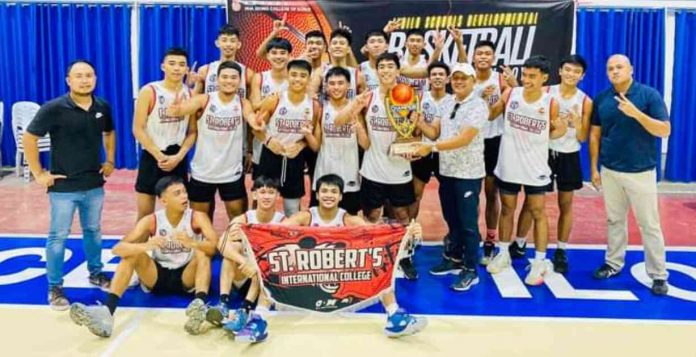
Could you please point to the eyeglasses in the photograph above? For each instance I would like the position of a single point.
(454, 110)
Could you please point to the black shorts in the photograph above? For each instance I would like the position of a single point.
(509, 188)
(169, 281)
(373, 194)
(290, 172)
(491, 148)
(254, 171)
(565, 171)
(310, 158)
(426, 167)
(350, 202)
(205, 192)
(149, 173)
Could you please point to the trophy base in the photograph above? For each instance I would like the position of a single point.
(403, 148)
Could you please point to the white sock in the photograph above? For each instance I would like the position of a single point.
(504, 246)
(521, 241)
(391, 308)
(562, 245)
(539, 255)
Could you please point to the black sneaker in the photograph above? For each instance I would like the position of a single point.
(488, 252)
(605, 272)
(560, 261)
(516, 251)
(467, 279)
(659, 287)
(57, 300)
(100, 280)
(408, 269)
(447, 266)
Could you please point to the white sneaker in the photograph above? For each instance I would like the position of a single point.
(499, 263)
(538, 268)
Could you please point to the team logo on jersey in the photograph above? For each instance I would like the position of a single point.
(541, 110)
(283, 111)
(213, 77)
(163, 232)
(265, 89)
(514, 105)
(375, 109)
(327, 116)
(213, 108)
(161, 99)
(426, 106)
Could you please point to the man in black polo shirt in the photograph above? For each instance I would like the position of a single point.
(626, 121)
(76, 123)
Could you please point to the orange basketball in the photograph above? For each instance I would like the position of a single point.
(402, 93)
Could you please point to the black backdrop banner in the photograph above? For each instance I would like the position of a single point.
(518, 28)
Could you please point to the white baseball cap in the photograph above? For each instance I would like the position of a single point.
(465, 68)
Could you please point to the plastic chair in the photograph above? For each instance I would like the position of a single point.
(22, 115)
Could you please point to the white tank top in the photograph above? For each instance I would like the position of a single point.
(211, 79)
(432, 108)
(567, 143)
(268, 86)
(421, 84)
(338, 153)
(174, 255)
(286, 122)
(219, 147)
(352, 87)
(316, 221)
(524, 147)
(494, 127)
(378, 165)
(371, 79)
(164, 130)
(251, 217)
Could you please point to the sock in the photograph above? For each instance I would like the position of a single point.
(225, 299)
(246, 305)
(391, 308)
(112, 302)
(262, 311)
(491, 234)
(521, 241)
(202, 295)
(562, 245)
(504, 246)
(539, 255)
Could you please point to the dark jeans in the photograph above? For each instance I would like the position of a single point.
(459, 199)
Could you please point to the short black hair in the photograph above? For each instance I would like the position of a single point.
(575, 59)
(341, 32)
(265, 181)
(484, 43)
(229, 30)
(301, 64)
(438, 64)
(417, 32)
(280, 43)
(330, 180)
(165, 182)
(314, 33)
(80, 60)
(388, 56)
(539, 62)
(230, 64)
(378, 33)
(175, 51)
(337, 71)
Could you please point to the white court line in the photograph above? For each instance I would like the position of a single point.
(118, 341)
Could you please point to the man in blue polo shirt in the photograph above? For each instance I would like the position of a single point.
(626, 121)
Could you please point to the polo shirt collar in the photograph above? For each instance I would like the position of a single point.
(71, 103)
(631, 88)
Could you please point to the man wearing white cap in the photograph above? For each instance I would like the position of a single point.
(462, 170)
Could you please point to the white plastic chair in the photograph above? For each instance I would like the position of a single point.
(22, 115)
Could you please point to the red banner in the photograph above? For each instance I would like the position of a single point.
(325, 269)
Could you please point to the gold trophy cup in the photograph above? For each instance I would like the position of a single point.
(400, 102)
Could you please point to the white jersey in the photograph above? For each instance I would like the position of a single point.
(524, 147)
(219, 147)
(173, 255)
(352, 86)
(286, 122)
(268, 86)
(567, 143)
(316, 221)
(251, 217)
(432, 108)
(494, 127)
(162, 129)
(211, 84)
(338, 153)
(420, 84)
(371, 79)
(378, 165)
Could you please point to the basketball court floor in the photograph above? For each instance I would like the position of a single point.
(570, 315)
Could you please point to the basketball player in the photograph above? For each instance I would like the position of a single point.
(283, 117)
(575, 107)
(375, 45)
(229, 44)
(165, 139)
(217, 164)
(315, 44)
(531, 119)
(170, 251)
(339, 49)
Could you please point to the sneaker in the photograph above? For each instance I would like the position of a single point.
(100, 280)
(499, 263)
(467, 279)
(537, 270)
(560, 261)
(447, 266)
(97, 318)
(196, 312)
(217, 314)
(256, 330)
(605, 272)
(659, 287)
(402, 323)
(408, 269)
(488, 252)
(57, 300)
(238, 322)
(517, 251)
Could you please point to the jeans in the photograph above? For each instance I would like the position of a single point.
(459, 199)
(63, 204)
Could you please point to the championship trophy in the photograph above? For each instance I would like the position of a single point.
(400, 102)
